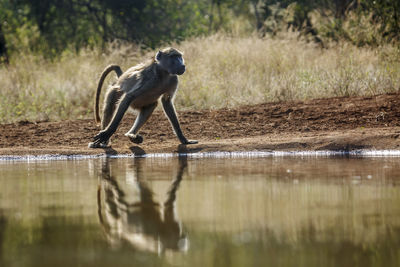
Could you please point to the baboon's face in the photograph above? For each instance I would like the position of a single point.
(171, 62)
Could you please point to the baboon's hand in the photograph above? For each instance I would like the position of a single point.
(101, 137)
(190, 142)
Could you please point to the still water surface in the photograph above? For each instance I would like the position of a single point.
(273, 211)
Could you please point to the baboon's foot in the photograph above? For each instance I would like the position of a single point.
(98, 145)
(135, 138)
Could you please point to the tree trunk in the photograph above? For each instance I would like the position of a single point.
(3, 48)
(257, 14)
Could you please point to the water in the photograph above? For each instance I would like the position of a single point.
(272, 211)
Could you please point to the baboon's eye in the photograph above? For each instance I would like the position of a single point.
(179, 58)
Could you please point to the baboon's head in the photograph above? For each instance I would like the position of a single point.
(171, 60)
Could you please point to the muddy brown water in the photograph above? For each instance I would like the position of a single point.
(272, 211)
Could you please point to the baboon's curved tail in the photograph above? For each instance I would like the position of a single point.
(103, 76)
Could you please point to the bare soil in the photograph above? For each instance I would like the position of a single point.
(341, 123)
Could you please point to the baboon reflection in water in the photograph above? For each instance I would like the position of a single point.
(144, 224)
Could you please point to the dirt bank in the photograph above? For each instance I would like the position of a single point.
(343, 123)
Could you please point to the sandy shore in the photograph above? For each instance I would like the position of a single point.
(337, 124)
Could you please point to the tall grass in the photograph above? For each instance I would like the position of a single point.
(225, 71)
(33, 88)
(222, 71)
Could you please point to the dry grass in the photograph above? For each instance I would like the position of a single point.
(227, 71)
(33, 88)
(222, 71)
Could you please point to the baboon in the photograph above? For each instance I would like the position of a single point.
(140, 87)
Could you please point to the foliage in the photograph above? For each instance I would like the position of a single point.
(378, 21)
(50, 27)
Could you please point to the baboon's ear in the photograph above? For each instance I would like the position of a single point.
(158, 56)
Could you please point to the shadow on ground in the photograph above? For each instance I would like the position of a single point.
(188, 149)
(137, 150)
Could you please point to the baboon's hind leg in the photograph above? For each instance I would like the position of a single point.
(110, 104)
(142, 117)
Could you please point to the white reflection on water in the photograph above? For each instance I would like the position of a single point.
(199, 155)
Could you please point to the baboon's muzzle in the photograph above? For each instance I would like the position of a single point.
(181, 70)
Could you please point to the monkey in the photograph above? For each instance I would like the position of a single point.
(140, 88)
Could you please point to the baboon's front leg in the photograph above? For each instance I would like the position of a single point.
(141, 119)
(171, 114)
(104, 135)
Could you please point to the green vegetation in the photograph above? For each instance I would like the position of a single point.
(237, 51)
